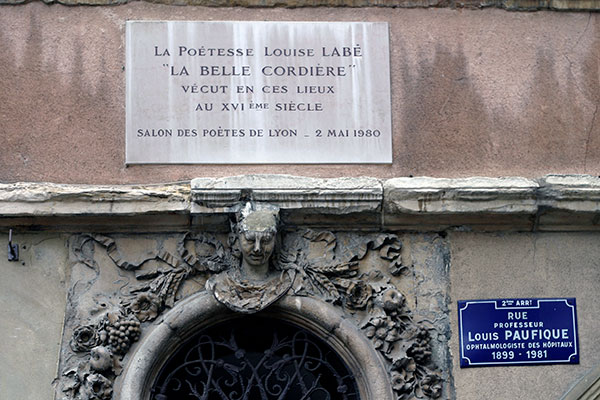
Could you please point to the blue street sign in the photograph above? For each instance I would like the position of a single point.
(517, 332)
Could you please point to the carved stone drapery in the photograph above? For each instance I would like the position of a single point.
(356, 273)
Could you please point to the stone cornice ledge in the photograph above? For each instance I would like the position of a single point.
(456, 196)
(552, 203)
(335, 195)
(475, 203)
(50, 199)
(100, 208)
(344, 203)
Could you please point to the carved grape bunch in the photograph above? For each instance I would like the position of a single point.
(122, 333)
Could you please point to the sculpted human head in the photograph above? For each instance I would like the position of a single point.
(257, 230)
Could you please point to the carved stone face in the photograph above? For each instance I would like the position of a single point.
(256, 236)
(257, 247)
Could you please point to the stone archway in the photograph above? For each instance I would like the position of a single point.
(202, 310)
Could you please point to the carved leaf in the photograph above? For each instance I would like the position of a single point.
(390, 251)
(217, 259)
(323, 236)
(396, 268)
(383, 239)
(173, 287)
(326, 287)
(345, 269)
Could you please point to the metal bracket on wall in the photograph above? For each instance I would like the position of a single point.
(13, 249)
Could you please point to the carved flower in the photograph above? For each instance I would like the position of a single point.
(96, 387)
(403, 375)
(431, 385)
(400, 384)
(84, 338)
(358, 294)
(383, 332)
(393, 300)
(373, 324)
(145, 306)
(101, 358)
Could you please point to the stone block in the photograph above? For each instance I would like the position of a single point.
(336, 195)
(36, 199)
(569, 200)
(437, 204)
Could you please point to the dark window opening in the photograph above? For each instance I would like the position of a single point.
(255, 358)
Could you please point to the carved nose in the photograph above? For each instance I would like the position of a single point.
(256, 245)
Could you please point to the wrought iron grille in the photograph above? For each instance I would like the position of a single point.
(254, 358)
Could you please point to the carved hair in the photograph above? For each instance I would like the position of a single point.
(258, 218)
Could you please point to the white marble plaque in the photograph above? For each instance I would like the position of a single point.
(258, 92)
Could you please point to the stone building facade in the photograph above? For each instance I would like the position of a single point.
(493, 193)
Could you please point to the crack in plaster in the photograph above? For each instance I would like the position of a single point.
(589, 137)
(587, 25)
(574, 47)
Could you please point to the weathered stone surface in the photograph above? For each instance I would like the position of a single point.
(464, 204)
(448, 196)
(568, 202)
(25, 199)
(579, 193)
(555, 202)
(336, 195)
(307, 3)
(86, 2)
(348, 202)
(550, 4)
(588, 388)
(396, 310)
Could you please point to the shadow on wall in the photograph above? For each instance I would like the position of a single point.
(446, 119)
(57, 117)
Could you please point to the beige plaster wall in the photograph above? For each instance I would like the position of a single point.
(32, 307)
(526, 265)
(475, 92)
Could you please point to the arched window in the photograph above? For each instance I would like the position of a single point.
(307, 347)
(255, 358)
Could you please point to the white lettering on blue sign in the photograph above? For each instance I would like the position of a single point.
(518, 331)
